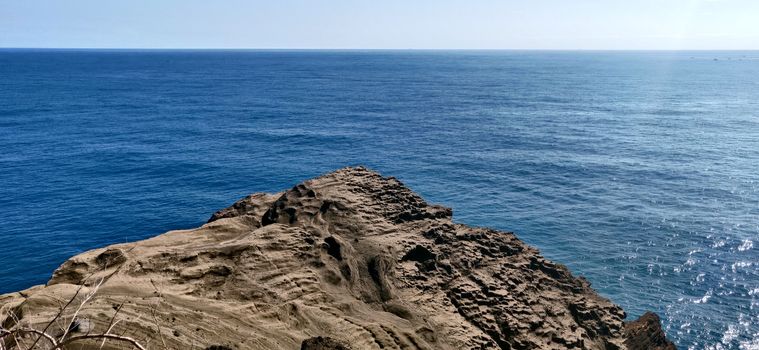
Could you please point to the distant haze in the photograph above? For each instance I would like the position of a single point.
(388, 24)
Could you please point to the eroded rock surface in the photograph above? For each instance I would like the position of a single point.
(645, 333)
(347, 260)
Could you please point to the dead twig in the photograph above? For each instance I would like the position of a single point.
(101, 336)
(112, 323)
(44, 331)
(86, 299)
(19, 332)
(153, 312)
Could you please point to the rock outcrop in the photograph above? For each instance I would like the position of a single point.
(349, 260)
(645, 333)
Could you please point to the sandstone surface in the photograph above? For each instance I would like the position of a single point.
(349, 260)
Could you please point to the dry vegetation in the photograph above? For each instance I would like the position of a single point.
(66, 330)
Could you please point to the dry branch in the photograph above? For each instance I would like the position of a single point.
(18, 331)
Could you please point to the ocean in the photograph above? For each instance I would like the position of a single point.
(638, 170)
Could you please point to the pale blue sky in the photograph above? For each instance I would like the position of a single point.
(416, 24)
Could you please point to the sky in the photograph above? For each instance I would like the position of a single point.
(382, 24)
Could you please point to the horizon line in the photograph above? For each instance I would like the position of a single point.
(360, 49)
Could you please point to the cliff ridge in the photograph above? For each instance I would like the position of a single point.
(348, 260)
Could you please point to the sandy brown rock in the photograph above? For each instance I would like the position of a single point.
(353, 257)
(646, 333)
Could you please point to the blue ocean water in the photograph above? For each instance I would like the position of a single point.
(638, 170)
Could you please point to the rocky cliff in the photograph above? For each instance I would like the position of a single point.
(349, 260)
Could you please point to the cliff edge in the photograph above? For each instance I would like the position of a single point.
(349, 260)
